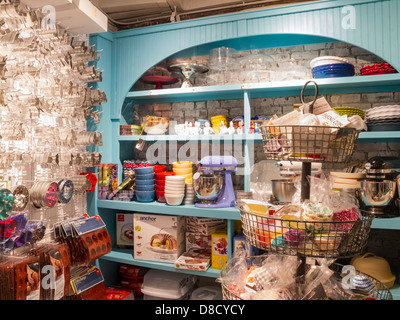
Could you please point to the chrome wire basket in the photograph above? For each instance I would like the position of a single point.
(285, 235)
(308, 143)
(229, 290)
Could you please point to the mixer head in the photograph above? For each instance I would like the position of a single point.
(381, 168)
(218, 164)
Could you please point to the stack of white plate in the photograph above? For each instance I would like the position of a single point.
(189, 194)
(383, 118)
(174, 190)
(344, 180)
(383, 112)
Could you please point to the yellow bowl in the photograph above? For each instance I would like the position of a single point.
(181, 164)
(190, 181)
(182, 171)
(221, 117)
(218, 121)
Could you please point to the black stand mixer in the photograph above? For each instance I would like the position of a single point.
(378, 193)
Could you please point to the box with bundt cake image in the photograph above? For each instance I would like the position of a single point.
(158, 237)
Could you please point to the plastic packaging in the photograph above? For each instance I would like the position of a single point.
(166, 285)
(207, 293)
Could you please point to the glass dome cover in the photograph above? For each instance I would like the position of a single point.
(256, 61)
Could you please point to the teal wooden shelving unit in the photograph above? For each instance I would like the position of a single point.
(128, 54)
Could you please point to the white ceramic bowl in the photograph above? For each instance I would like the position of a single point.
(321, 61)
(175, 183)
(180, 181)
(175, 178)
(173, 200)
(174, 186)
(175, 191)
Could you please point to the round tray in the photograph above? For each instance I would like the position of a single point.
(383, 293)
(326, 239)
(309, 143)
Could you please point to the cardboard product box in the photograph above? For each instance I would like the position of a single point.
(205, 228)
(158, 237)
(194, 259)
(241, 246)
(124, 230)
(197, 241)
(219, 252)
(206, 221)
(108, 179)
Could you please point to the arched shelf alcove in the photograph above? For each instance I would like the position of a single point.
(362, 23)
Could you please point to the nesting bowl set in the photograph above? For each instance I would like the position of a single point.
(331, 67)
(174, 191)
(145, 184)
(179, 187)
(160, 178)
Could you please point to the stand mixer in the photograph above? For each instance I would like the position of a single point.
(378, 193)
(212, 183)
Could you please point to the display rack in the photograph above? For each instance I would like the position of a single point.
(311, 235)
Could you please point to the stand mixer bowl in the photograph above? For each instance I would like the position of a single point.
(377, 194)
(208, 186)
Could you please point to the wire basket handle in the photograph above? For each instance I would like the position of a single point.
(311, 107)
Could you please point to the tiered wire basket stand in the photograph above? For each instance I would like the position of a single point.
(319, 239)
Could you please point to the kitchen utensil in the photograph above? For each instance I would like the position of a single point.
(174, 190)
(212, 183)
(143, 170)
(144, 196)
(144, 182)
(221, 57)
(155, 125)
(283, 190)
(173, 199)
(327, 60)
(147, 176)
(377, 197)
(140, 143)
(145, 187)
(182, 164)
(255, 67)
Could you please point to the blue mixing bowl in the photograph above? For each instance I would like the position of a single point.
(144, 170)
(145, 196)
(145, 187)
(148, 176)
(145, 182)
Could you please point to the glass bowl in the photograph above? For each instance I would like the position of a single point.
(155, 125)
